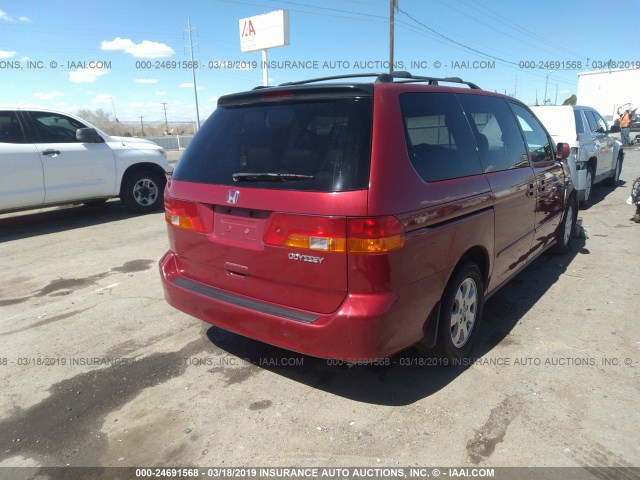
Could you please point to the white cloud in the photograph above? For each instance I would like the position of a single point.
(25, 19)
(117, 44)
(148, 49)
(135, 104)
(144, 49)
(86, 75)
(102, 98)
(160, 93)
(146, 80)
(24, 59)
(190, 85)
(4, 16)
(213, 99)
(48, 95)
(6, 53)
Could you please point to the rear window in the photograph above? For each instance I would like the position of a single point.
(326, 142)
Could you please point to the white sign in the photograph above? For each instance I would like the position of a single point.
(264, 31)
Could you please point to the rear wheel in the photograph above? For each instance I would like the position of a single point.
(587, 188)
(566, 227)
(612, 181)
(142, 191)
(461, 312)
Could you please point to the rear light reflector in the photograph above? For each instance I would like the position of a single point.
(183, 214)
(338, 235)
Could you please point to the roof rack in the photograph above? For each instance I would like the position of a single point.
(399, 77)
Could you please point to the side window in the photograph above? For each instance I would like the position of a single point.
(577, 114)
(10, 130)
(601, 125)
(439, 141)
(540, 146)
(55, 128)
(497, 135)
(591, 120)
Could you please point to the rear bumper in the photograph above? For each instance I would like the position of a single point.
(363, 327)
(580, 183)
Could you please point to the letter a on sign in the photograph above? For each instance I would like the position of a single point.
(261, 32)
(247, 29)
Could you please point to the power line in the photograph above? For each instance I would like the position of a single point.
(449, 39)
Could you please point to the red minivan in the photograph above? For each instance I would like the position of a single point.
(352, 220)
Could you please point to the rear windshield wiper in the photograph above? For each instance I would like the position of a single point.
(269, 177)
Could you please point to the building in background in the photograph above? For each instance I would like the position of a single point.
(607, 90)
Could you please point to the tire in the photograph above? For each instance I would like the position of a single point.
(588, 188)
(612, 181)
(566, 228)
(142, 191)
(461, 312)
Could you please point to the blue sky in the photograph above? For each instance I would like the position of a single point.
(130, 35)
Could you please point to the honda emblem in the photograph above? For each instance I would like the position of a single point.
(232, 196)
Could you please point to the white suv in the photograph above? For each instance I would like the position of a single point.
(50, 158)
(595, 154)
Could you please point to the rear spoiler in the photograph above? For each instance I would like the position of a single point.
(297, 92)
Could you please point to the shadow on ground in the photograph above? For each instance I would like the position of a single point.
(22, 225)
(408, 377)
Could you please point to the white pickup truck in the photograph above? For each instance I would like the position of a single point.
(595, 155)
(50, 158)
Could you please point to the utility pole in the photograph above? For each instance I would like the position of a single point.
(546, 83)
(393, 5)
(166, 124)
(193, 70)
(556, 102)
(142, 125)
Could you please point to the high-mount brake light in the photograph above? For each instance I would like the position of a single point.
(183, 214)
(275, 95)
(368, 235)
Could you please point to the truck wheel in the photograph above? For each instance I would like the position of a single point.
(142, 191)
(566, 227)
(587, 188)
(612, 181)
(461, 312)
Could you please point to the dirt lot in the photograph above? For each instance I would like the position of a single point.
(96, 369)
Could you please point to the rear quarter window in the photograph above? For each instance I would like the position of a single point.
(439, 141)
(577, 115)
(329, 141)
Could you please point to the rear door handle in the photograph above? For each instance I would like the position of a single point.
(51, 152)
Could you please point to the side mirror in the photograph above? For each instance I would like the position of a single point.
(562, 151)
(614, 129)
(88, 135)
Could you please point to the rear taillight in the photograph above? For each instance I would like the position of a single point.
(183, 214)
(338, 235)
(307, 232)
(375, 235)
